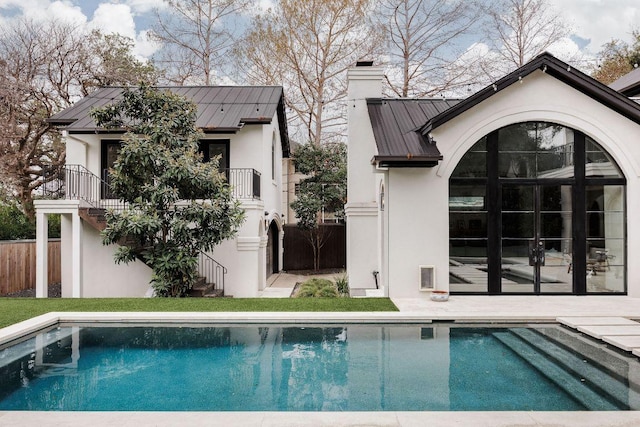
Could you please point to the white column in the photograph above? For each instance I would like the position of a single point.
(76, 254)
(42, 247)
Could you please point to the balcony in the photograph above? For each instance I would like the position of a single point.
(75, 182)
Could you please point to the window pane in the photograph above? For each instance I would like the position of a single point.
(474, 163)
(467, 224)
(517, 138)
(605, 229)
(517, 164)
(468, 265)
(599, 163)
(517, 198)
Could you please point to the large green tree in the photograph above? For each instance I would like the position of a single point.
(323, 192)
(177, 205)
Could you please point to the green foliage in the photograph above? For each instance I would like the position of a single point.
(13, 310)
(342, 284)
(15, 225)
(325, 185)
(317, 288)
(177, 205)
(323, 190)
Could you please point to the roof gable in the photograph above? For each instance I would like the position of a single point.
(552, 66)
(220, 109)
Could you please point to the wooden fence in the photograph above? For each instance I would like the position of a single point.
(18, 264)
(298, 254)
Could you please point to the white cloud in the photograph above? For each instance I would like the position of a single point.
(144, 47)
(600, 20)
(41, 10)
(114, 18)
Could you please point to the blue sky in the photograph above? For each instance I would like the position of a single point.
(593, 22)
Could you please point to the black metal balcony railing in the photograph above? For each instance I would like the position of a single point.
(245, 183)
(75, 182)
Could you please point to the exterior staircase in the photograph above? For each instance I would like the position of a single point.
(202, 289)
(80, 184)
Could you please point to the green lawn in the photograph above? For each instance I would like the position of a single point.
(13, 310)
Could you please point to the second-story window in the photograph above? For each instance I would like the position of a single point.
(213, 148)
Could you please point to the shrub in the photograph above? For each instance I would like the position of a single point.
(317, 288)
(342, 283)
(15, 225)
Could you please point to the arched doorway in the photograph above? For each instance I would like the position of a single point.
(537, 208)
(273, 252)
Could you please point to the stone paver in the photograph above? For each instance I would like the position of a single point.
(574, 322)
(601, 331)
(625, 342)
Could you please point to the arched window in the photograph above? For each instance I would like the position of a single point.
(523, 201)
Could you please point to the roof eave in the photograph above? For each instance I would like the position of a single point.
(554, 67)
(408, 161)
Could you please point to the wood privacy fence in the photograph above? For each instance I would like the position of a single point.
(18, 264)
(298, 254)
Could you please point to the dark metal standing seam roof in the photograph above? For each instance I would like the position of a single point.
(221, 109)
(396, 127)
(629, 84)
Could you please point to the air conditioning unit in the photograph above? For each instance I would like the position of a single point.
(427, 277)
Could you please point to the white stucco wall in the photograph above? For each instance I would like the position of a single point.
(244, 255)
(417, 199)
(361, 210)
(102, 277)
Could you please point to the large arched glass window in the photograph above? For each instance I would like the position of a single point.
(523, 201)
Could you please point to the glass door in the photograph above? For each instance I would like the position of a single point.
(536, 238)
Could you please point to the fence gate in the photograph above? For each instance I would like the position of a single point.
(298, 254)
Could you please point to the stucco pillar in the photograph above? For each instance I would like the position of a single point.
(245, 284)
(76, 254)
(42, 249)
(361, 210)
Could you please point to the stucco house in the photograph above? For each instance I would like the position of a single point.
(529, 186)
(246, 126)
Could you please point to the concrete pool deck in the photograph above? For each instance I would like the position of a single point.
(464, 308)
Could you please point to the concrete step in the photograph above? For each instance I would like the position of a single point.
(201, 288)
(555, 373)
(600, 379)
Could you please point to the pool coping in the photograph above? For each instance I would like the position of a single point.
(46, 320)
(388, 418)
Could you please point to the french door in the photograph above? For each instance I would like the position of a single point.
(536, 239)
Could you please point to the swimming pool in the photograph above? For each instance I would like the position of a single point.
(333, 367)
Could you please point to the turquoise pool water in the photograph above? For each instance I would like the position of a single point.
(334, 368)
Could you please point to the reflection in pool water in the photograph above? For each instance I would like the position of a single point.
(334, 368)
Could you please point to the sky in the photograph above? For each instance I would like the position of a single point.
(592, 22)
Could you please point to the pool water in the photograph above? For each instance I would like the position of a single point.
(334, 368)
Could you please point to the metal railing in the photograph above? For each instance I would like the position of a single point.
(75, 182)
(245, 183)
(212, 271)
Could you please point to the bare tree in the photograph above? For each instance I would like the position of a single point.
(43, 69)
(425, 39)
(522, 29)
(307, 46)
(195, 34)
